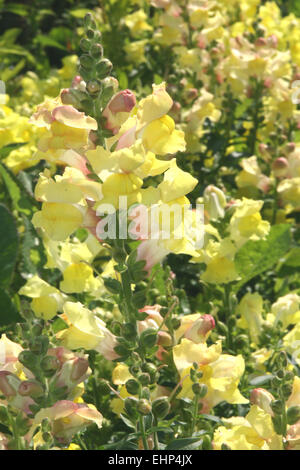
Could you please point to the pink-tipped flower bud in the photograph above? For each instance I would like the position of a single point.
(76, 80)
(290, 147)
(200, 329)
(190, 94)
(123, 101)
(111, 82)
(263, 399)
(79, 369)
(260, 42)
(263, 148)
(78, 83)
(296, 76)
(118, 106)
(175, 111)
(6, 387)
(268, 82)
(280, 167)
(195, 327)
(67, 97)
(272, 41)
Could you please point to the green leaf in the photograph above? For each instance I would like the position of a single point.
(21, 200)
(293, 258)
(17, 50)
(79, 12)
(261, 379)
(157, 274)
(30, 242)
(127, 422)
(112, 285)
(17, 9)
(9, 243)
(123, 80)
(256, 257)
(47, 41)
(185, 443)
(8, 311)
(10, 36)
(213, 418)
(5, 151)
(10, 73)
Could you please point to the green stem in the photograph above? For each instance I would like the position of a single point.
(156, 443)
(195, 414)
(142, 430)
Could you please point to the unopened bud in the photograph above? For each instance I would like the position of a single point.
(104, 68)
(293, 414)
(111, 82)
(260, 42)
(263, 399)
(40, 345)
(96, 51)
(86, 61)
(290, 147)
(148, 338)
(144, 378)
(130, 405)
(214, 202)
(200, 390)
(93, 87)
(276, 406)
(85, 44)
(28, 359)
(123, 101)
(206, 443)
(164, 339)
(160, 407)
(144, 407)
(68, 98)
(199, 330)
(50, 365)
(88, 20)
(132, 386)
(30, 388)
(80, 366)
(280, 167)
(5, 386)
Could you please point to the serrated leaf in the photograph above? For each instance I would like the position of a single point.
(256, 257)
(9, 243)
(8, 311)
